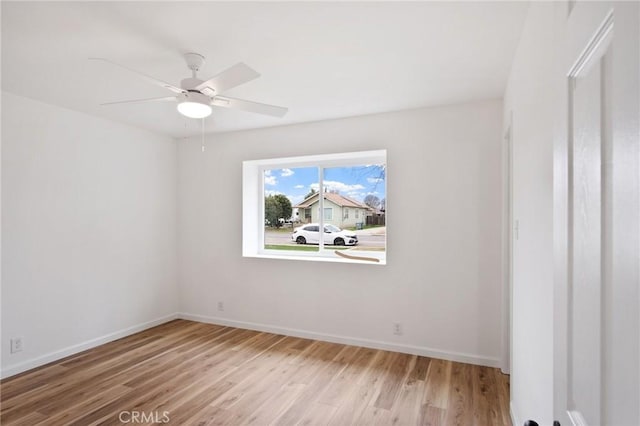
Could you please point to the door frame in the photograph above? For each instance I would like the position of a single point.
(507, 244)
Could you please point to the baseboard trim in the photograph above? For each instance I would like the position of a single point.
(12, 370)
(373, 344)
(21, 367)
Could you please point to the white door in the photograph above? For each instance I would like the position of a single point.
(597, 231)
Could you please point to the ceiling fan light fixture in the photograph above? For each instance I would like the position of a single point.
(194, 109)
(194, 105)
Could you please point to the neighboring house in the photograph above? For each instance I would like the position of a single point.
(376, 217)
(339, 210)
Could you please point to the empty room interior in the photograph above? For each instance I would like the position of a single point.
(320, 213)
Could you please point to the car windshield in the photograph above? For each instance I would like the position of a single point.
(331, 228)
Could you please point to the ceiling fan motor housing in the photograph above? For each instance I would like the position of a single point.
(196, 97)
(190, 83)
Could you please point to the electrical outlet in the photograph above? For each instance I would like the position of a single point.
(221, 306)
(397, 328)
(16, 344)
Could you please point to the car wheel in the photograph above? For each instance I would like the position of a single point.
(301, 240)
(338, 242)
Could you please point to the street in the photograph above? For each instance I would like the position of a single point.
(372, 237)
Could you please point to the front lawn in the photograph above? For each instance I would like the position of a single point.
(353, 228)
(299, 247)
(286, 228)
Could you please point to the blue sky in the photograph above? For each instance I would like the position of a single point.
(354, 182)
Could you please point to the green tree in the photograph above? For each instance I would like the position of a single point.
(277, 207)
(311, 192)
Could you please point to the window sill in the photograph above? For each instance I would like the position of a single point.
(317, 257)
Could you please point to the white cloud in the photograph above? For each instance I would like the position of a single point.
(269, 192)
(342, 187)
(269, 180)
(298, 187)
(374, 180)
(356, 195)
(286, 172)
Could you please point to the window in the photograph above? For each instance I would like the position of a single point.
(289, 203)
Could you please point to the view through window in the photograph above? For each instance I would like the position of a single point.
(352, 199)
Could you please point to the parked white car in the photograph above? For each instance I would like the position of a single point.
(333, 236)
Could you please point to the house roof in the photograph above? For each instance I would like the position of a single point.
(338, 199)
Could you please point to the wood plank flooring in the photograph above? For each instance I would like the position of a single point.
(189, 373)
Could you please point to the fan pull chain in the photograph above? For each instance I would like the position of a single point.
(202, 134)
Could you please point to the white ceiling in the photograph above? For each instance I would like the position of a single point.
(322, 60)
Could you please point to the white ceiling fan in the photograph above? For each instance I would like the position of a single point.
(195, 97)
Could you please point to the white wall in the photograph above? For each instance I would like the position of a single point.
(89, 230)
(443, 278)
(529, 98)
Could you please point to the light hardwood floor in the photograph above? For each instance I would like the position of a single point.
(191, 373)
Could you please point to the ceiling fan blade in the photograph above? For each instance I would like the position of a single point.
(137, 101)
(150, 79)
(231, 77)
(226, 102)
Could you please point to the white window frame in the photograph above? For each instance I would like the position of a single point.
(253, 204)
